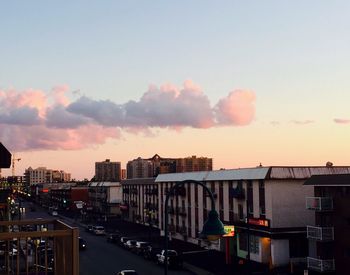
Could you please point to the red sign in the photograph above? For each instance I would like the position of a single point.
(45, 190)
(260, 222)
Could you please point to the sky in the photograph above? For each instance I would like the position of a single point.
(242, 82)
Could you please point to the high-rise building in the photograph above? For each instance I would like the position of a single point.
(107, 171)
(44, 175)
(139, 168)
(152, 167)
(194, 164)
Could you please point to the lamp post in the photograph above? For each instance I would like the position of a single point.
(212, 228)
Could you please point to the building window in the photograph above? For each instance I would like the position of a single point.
(254, 244)
(250, 198)
(240, 212)
(262, 208)
(243, 241)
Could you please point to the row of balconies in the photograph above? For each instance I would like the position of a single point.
(320, 233)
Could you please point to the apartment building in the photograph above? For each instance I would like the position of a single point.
(265, 204)
(104, 199)
(329, 241)
(139, 168)
(44, 175)
(107, 171)
(194, 164)
(152, 167)
(140, 201)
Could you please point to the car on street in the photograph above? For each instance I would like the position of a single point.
(141, 247)
(127, 272)
(130, 245)
(123, 240)
(113, 237)
(54, 213)
(173, 258)
(89, 228)
(99, 230)
(150, 253)
(82, 244)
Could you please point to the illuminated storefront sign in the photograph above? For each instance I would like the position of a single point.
(230, 231)
(260, 222)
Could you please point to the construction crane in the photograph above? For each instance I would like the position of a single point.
(13, 165)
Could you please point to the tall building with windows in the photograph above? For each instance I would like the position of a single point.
(152, 167)
(107, 171)
(194, 164)
(139, 168)
(44, 175)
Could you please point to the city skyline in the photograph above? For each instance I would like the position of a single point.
(242, 83)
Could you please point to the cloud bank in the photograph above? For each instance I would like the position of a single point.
(341, 120)
(32, 119)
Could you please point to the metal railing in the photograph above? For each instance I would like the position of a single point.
(320, 233)
(320, 265)
(319, 203)
(38, 247)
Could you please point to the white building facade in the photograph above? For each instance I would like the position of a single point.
(265, 204)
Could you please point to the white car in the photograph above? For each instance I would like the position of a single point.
(54, 213)
(99, 230)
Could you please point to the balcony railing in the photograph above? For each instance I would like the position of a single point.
(320, 233)
(319, 203)
(39, 247)
(320, 265)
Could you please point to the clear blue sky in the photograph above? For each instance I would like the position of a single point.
(294, 55)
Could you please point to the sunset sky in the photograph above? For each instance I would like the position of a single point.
(242, 82)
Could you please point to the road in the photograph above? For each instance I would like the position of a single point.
(103, 258)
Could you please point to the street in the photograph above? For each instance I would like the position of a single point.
(102, 257)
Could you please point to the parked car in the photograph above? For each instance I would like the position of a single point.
(130, 245)
(99, 230)
(113, 237)
(89, 228)
(150, 253)
(141, 247)
(54, 213)
(123, 240)
(82, 244)
(173, 258)
(127, 272)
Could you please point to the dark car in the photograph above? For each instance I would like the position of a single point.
(82, 244)
(113, 238)
(89, 228)
(123, 241)
(141, 247)
(150, 253)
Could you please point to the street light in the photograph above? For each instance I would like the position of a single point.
(212, 228)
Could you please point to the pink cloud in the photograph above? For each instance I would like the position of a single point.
(238, 108)
(33, 120)
(341, 120)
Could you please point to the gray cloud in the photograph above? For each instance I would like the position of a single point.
(20, 116)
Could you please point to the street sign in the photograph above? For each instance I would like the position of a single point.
(230, 231)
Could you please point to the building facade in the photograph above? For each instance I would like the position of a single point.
(194, 164)
(152, 167)
(140, 201)
(265, 204)
(107, 171)
(329, 241)
(104, 199)
(43, 175)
